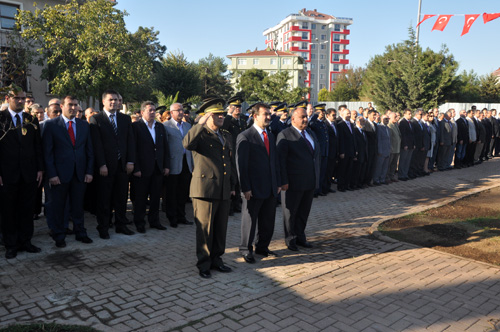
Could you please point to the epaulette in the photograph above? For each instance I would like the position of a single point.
(224, 130)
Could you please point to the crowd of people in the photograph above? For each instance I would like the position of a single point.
(226, 161)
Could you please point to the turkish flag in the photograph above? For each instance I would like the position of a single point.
(469, 20)
(441, 22)
(490, 17)
(425, 17)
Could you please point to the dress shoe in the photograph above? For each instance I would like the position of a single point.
(61, 244)
(222, 268)
(249, 258)
(293, 247)
(31, 249)
(332, 191)
(141, 229)
(124, 230)
(158, 226)
(69, 231)
(173, 225)
(84, 239)
(322, 194)
(104, 235)
(11, 253)
(342, 190)
(185, 222)
(36, 217)
(315, 195)
(305, 244)
(205, 274)
(237, 209)
(266, 253)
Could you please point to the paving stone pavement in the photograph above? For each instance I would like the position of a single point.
(350, 281)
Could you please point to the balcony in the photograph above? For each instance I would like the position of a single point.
(294, 28)
(342, 41)
(341, 52)
(341, 61)
(296, 38)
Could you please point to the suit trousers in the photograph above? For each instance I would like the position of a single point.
(257, 214)
(393, 166)
(479, 150)
(371, 161)
(417, 162)
(147, 186)
(442, 158)
(67, 196)
(17, 202)
(176, 194)
(469, 153)
(451, 154)
(358, 172)
(460, 152)
(322, 173)
(112, 192)
(381, 167)
(404, 163)
(330, 170)
(296, 205)
(210, 216)
(344, 172)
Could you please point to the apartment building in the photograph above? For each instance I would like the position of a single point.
(320, 39)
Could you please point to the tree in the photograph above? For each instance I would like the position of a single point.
(405, 76)
(324, 95)
(175, 74)
(86, 48)
(14, 60)
(466, 88)
(214, 77)
(249, 83)
(490, 89)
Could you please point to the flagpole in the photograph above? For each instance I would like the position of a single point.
(418, 20)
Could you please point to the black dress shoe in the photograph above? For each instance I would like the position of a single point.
(141, 229)
(305, 244)
(61, 244)
(31, 249)
(315, 195)
(332, 191)
(293, 247)
(322, 194)
(124, 230)
(222, 268)
(249, 258)
(158, 226)
(266, 253)
(104, 235)
(173, 225)
(69, 231)
(11, 253)
(84, 239)
(205, 274)
(186, 222)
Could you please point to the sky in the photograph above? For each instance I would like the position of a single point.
(197, 28)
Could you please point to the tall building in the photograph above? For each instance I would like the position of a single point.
(271, 62)
(320, 39)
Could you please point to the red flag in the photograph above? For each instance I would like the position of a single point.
(441, 22)
(469, 20)
(490, 17)
(425, 17)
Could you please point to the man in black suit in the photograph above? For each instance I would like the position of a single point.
(370, 129)
(319, 127)
(407, 145)
(114, 150)
(299, 158)
(279, 121)
(258, 172)
(333, 147)
(347, 149)
(419, 154)
(21, 172)
(359, 164)
(69, 162)
(462, 139)
(152, 164)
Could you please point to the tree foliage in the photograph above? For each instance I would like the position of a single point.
(490, 89)
(85, 48)
(214, 76)
(406, 76)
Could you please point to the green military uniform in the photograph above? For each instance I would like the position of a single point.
(214, 177)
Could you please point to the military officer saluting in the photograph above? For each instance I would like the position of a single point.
(212, 184)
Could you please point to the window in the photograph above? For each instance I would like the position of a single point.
(313, 26)
(323, 46)
(305, 35)
(255, 61)
(321, 76)
(313, 36)
(313, 66)
(7, 15)
(304, 25)
(337, 27)
(242, 61)
(334, 77)
(336, 38)
(273, 61)
(287, 61)
(304, 55)
(313, 56)
(336, 57)
(321, 56)
(321, 86)
(304, 46)
(335, 67)
(336, 48)
(323, 37)
(322, 66)
(313, 46)
(323, 27)
(313, 76)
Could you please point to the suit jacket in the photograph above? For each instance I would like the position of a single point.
(463, 130)
(488, 127)
(395, 137)
(446, 135)
(299, 168)
(496, 126)
(371, 137)
(277, 126)
(174, 138)
(481, 131)
(333, 141)
(258, 172)
(107, 144)
(214, 172)
(62, 159)
(454, 131)
(407, 137)
(427, 136)
(150, 155)
(20, 155)
(361, 145)
(383, 141)
(418, 133)
(320, 130)
(347, 144)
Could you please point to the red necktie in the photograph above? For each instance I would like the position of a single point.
(266, 141)
(71, 133)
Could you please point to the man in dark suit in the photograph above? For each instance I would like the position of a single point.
(419, 154)
(212, 184)
(114, 150)
(69, 162)
(258, 172)
(152, 164)
(347, 149)
(495, 132)
(359, 164)
(299, 159)
(462, 139)
(488, 126)
(407, 145)
(370, 130)
(21, 172)
(445, 142)
(279, 121)
(333, 148)
(319, 127)
(181, 166)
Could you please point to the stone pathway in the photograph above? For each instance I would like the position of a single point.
(350, 281)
